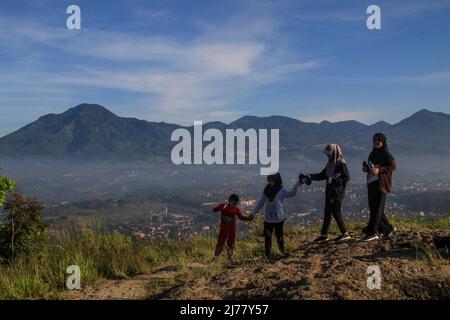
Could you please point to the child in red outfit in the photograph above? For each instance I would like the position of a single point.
(227, 232)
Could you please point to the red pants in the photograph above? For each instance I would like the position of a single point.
(227, 233)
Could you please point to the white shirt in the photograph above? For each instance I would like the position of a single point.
(274, 210)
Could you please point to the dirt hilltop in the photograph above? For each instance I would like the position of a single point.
(411, 268)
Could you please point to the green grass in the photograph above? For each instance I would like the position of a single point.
(440, 224)
(104, 256)
(115, 256)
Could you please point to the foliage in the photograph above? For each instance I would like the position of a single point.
(24, 231)
(6, 185)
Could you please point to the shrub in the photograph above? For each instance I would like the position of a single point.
(23, 232)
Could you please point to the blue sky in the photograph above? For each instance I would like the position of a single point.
(180, 61)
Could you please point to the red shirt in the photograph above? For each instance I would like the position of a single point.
(229, 214)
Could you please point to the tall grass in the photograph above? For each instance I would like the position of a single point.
(101, 255)
(97, 254)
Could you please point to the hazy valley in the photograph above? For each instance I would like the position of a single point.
(88, 163)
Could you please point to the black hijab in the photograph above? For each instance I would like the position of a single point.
(381, 156)
(271, 191)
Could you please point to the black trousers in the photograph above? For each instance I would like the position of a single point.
(378, 221)
(279, 234)
(333, 210)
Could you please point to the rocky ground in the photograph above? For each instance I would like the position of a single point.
(410, 264)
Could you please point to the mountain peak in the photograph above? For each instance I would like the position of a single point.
(381, 125)
(88, 107)
(423, 111)
(425, 115)
(90, 114)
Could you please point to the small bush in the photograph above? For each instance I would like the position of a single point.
(24, 232)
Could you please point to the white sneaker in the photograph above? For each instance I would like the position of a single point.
(343, 237)
(390, 234)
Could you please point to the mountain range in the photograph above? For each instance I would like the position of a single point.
(90, 131)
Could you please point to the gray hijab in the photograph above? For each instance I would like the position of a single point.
(335, 156)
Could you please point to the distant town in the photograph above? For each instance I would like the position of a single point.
(418, 200)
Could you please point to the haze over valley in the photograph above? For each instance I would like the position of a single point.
(88, 163)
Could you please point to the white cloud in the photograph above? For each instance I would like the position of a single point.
(226, 59)
(221, 63)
